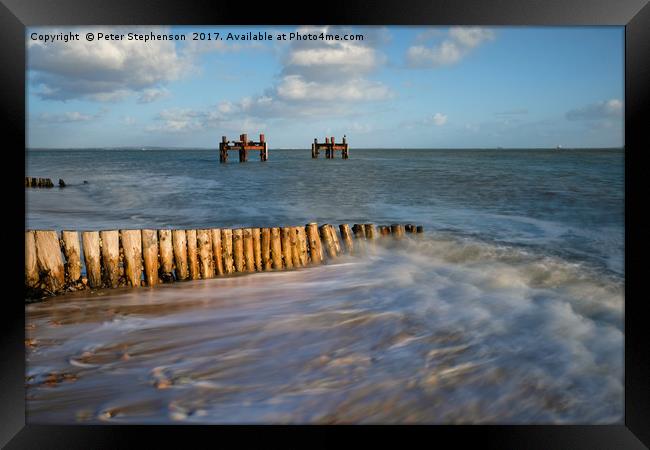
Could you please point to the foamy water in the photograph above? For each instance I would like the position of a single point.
(441, 329)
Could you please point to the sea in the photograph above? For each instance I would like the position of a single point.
(508, 310)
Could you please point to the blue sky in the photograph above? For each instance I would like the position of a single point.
(434, 87)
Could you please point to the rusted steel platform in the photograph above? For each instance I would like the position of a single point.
(243, 146)
(330, 147)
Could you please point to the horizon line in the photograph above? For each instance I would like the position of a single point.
(155, 147)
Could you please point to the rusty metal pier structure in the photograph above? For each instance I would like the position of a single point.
(243, 146)
(330, 147)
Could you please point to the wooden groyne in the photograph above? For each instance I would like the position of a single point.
(330, 147)
(41, 182)
(243, 146)
(148, 257)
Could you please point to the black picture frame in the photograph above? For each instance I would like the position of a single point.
(15, 15)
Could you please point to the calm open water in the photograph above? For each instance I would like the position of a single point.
(509, 310)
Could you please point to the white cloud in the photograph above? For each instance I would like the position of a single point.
(69, 117)
(295, 87)
(458, 43)
(439, 119)
(103, 70)
(597, 111)
(323, 77)
(317, 78)
(344, 56)
(106, 71)
(153, 94)
(188, 120)
(470, 36)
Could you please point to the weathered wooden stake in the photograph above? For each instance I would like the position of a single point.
(287, 256)
(150, 256)
(397, 230)
(226, 247)
(371, 231)
(166, 255)
(215, 235)
(359, 231)
(315, 246)
(249, 256)
(238, 249)
(419, 229)
(110, 250)
(192, 256)
(267, 263)
(179, 242)
(50, 261)
(257, 249)
(276, 248)
(335, 239)
(31, 262)
(204, 245)
(90, 241)
(132, 246)
(72, 252)
(346, 236)
(303, 251)
(328, 242)
(295, 250)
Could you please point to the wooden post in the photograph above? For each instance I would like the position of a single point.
(301, 237)
(223, 149)
(397, 230)
(371, 231)
(179, 243)
(150, 256)
(359, 231)
(249, 257)
(226, 247)
(204, 245)
(50, 261)
(315, 246)
(419, 229)
(335, 239)
(295, 249)
(215, 235)
(264, 153)
(409, 228)
(346, 236)
(328, 242)
(243, 155)
(166, 255)
(257, 248)
(110, 257)
(238, 249)
(267, 263)
(31, 262)
(285, 234)
(90, 241)
(192, 256)
(276, 248)
(132, 245)
(384, 230)
(72, 252)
